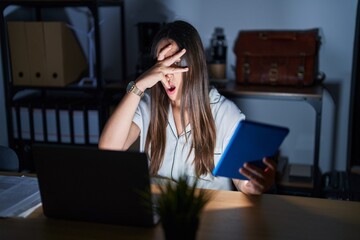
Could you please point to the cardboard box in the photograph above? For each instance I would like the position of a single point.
(45, 54)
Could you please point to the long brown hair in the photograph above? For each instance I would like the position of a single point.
(194, 100)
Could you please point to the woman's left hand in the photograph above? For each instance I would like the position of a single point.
(261, 180)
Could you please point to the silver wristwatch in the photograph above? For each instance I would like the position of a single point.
(132, 88)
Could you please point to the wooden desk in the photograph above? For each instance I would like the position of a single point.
(229, 215)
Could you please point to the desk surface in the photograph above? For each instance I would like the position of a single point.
(229, 215)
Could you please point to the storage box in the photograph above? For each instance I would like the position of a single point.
(44, 54)
(277, 57)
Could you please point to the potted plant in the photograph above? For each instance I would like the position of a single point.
(179, 207)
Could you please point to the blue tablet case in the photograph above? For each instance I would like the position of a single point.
(251, 142)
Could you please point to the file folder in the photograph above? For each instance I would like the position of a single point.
(25, 123)
(45, 54)
(14, 122)
(51, 125)
(93, 126)
(78, 126)
(38, 124)
(65, 60)
(36, 50)
(19, 53)
(65, 134)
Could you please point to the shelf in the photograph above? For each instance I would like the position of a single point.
(92, 98)
(291, 93)
(92, 5)
(67, 3)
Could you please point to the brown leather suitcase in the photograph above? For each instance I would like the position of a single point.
(277, 57)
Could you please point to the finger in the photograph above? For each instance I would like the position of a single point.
(173, 70)
(258, 179)
(167, 72)
(254, 187)
(163, 52)
(245, 172)
(253, 169)
(172, 59)
(249, 174)
(269, 163)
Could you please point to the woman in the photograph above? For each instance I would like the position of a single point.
(183, 125)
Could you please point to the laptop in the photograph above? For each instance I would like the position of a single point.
(251, 142)
(88, 184)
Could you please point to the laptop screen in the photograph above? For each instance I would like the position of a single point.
(86, 183)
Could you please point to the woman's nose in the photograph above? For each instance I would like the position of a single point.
(169, 77)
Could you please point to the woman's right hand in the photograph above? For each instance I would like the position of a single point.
(161, 71)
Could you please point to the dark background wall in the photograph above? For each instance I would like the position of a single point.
(335, 18)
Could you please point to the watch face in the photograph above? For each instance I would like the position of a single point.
(129, 86)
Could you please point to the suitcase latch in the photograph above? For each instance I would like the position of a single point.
(246, 71)
(273, 73)
(300, 73)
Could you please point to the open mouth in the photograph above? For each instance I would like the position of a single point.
(171, 89)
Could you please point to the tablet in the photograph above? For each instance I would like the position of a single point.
(251, 142)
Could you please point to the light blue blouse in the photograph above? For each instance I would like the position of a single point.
(226, 115)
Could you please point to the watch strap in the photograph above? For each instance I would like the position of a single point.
(134, 89)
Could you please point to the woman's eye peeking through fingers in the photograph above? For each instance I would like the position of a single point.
(183, 63)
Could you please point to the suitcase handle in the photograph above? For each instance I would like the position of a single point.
(277, 36)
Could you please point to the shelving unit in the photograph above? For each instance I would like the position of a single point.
(93, 98)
